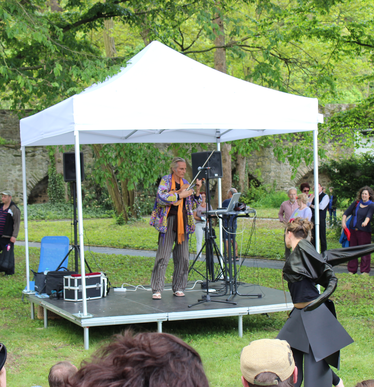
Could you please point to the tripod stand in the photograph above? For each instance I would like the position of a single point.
(211, 248)
(231, 283)
(75, 246)
(209, 263)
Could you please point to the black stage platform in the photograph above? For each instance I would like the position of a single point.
(132, 307)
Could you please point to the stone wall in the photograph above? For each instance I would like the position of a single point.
(37, 162)
(11, 158)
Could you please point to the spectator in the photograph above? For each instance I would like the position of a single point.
(10, 218)
(362, 212)
(332, 207)
(268, 362)
(305, 188)
(323, 200)
(303, 211)
(60, 373)
(145, 360)
(3, 356)
(314, 349)
(200, 216)
(285, 212)
(366, 383)
(233, 221)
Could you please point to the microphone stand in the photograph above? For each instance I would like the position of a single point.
(209, 256)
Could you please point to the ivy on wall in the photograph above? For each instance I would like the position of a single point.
(56, 189)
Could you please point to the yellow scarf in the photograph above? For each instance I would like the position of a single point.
(180, 226)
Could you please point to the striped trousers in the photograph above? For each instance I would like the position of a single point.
(180, 258)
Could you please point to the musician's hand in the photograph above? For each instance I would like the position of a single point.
(198, 184)
(185, 193)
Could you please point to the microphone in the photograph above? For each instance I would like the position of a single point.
(201, 168)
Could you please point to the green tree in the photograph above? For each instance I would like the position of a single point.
(316, 48)
(350, 174)
(122, 167)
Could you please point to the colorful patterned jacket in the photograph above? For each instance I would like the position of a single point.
(163, 202)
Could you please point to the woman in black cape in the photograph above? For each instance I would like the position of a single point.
(313, 332)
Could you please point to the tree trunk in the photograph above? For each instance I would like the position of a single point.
(112, 186)
(128, 196)
(109, 44)
(55, 6)
(226, 169)
(240, 169)
(220, 52)
(144, 33)
(119, 196)
(220, 65)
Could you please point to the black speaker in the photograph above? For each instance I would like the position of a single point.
(214, 164)
(69, 166)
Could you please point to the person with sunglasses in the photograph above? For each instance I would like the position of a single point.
(305, 188)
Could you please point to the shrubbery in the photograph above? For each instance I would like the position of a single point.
(263, 197)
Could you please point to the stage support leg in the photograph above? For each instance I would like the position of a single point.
(240, 325)
(45, 311)
(32, 310)
(86, 338)
(159, 326)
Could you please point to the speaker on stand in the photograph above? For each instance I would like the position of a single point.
(69, 167)
(70, 176)
(213, 166)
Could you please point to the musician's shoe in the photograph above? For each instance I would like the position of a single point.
(156, 296)
(178, 293)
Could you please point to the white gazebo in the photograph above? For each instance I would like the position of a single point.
(162, 96)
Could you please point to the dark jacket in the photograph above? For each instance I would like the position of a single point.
(12, 221)
(322, 213)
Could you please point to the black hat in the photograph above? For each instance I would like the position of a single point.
(2, 355)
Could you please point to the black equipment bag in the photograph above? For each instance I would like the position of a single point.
(7, 257)
(53, 280)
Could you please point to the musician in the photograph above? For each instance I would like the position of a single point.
(172, 216)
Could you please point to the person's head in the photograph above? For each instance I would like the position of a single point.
(292, 194)
(297, 229)
(302, 198)
(231, 192)
(305, 188)
(60, 373)
(365, 193)
(147, 359)
(6, 197)
(3, 355)
(178, 166)
(268, 362)
(203, 196)
(320, 188)
(366, 383)
(331, 189)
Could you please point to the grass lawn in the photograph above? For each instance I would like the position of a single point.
(266, 240)
(32, 350)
